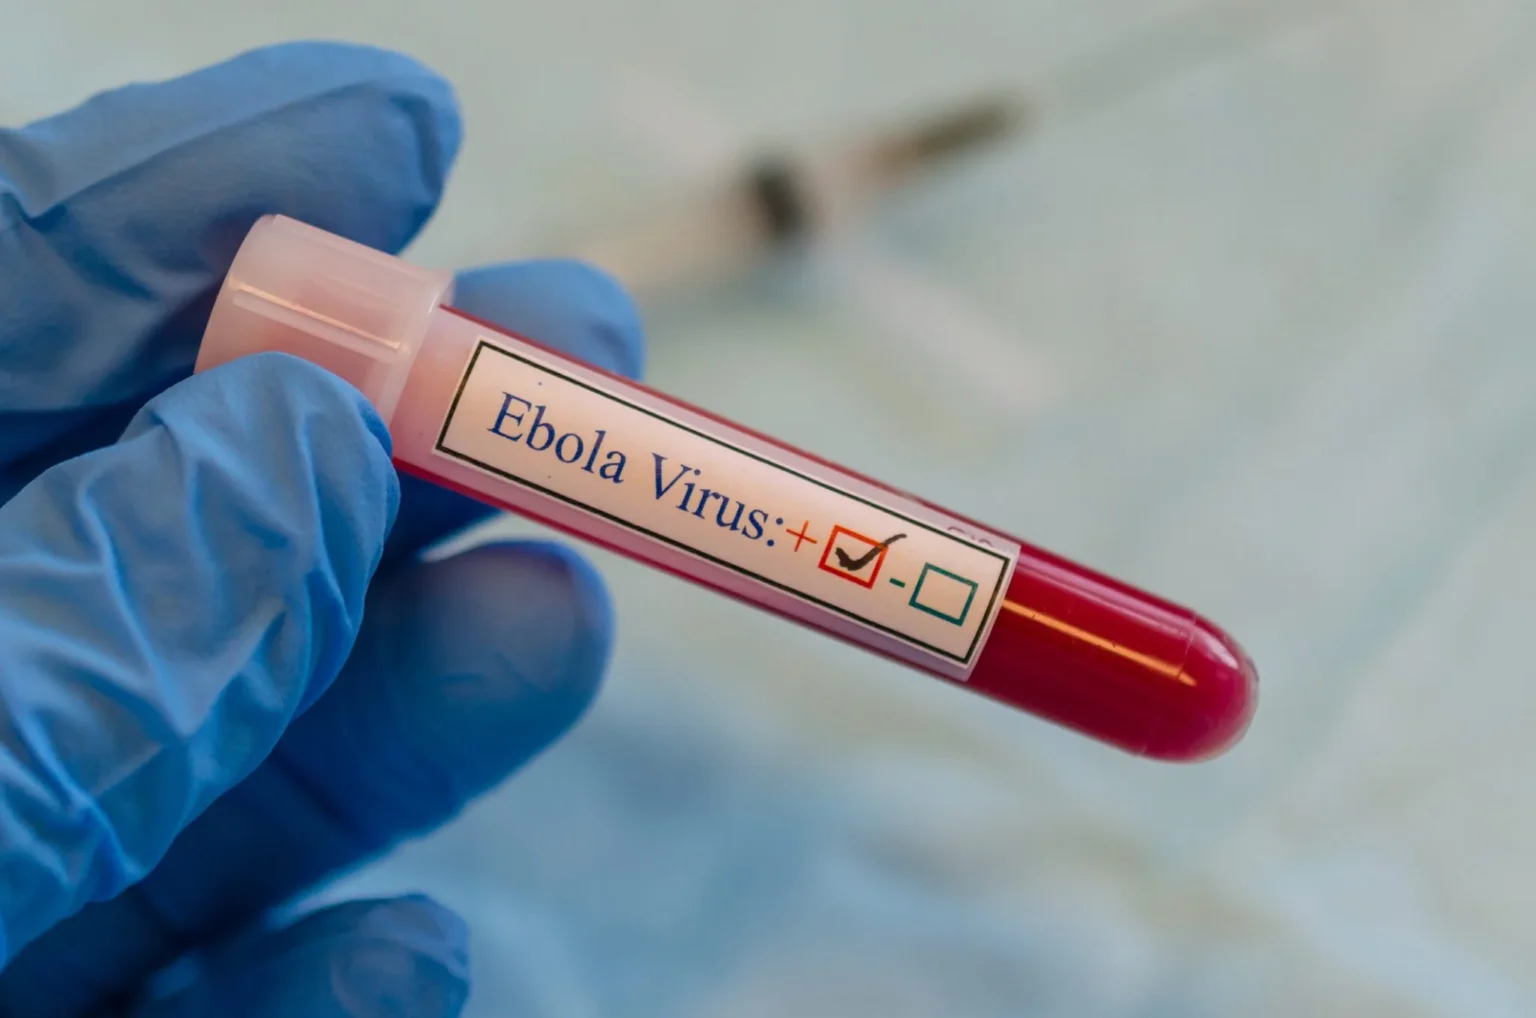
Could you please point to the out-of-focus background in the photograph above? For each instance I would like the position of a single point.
(1272, 319)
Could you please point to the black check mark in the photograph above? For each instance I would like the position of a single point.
(853, 565)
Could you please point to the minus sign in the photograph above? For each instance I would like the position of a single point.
(896, 583)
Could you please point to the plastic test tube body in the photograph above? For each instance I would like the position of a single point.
(524, 428)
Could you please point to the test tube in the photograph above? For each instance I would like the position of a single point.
(505, 420)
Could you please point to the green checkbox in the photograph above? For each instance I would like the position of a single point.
(943, 594)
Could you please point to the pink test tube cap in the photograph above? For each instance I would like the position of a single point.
(353, 310)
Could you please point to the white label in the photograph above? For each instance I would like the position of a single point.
(729, 499)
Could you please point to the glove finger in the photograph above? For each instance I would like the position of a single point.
(562, 304)
(361, 959)
(167, 605)
(466, 668)
(119, 218)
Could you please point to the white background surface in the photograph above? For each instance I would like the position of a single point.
(1280, 317)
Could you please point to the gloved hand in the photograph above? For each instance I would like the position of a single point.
(225, 672)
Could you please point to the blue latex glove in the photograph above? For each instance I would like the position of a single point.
(200, 720)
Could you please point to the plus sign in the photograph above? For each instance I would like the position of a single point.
(801, 535)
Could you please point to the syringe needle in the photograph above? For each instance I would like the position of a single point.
(953, 132)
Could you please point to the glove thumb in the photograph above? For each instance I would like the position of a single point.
(361, 959)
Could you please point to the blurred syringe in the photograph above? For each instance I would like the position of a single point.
(782, 199)
(778, 200)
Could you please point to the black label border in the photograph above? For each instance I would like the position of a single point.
(441, 448)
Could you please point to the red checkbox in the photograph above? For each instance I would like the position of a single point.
(860, 546)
